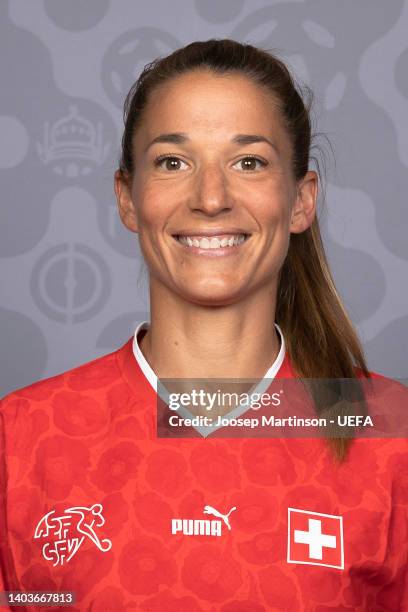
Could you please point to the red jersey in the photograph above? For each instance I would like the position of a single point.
(93, 502)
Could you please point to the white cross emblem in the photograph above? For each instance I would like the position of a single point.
(315, 539)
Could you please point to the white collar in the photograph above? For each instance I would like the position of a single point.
(261, 387)
(152, 378)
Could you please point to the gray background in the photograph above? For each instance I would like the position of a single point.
(72, 283)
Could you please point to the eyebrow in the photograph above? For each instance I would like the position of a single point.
(181, 138)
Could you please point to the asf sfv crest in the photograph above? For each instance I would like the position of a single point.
(66, 532)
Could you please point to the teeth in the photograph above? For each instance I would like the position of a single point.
(212, 243)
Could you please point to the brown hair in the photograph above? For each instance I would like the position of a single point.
(320, 337)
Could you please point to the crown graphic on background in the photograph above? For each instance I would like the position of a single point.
(73, 137)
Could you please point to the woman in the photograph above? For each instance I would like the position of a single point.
(215, 180)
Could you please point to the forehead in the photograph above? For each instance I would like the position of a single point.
(212, 104)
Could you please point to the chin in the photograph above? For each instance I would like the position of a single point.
(212, 296)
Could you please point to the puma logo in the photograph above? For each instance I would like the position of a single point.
(203, 526)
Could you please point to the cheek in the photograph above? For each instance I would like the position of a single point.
(152, 208)
(271, 203)
(153, 212)
(273, 214)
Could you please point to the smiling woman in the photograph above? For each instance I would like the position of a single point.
(215, 179)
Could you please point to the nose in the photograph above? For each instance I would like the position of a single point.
(211, 194)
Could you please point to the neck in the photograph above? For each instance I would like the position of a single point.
(187, 340)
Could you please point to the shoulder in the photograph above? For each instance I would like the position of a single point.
(387, 400)
(94, 376)
(378, 385)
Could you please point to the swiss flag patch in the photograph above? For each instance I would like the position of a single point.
(315, 538)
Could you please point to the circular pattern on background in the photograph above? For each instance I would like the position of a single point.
(70, 283)
(13, 142)
(76, 15)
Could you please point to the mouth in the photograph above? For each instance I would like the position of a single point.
(212, 242)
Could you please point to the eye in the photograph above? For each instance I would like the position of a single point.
(250, 163)
(172, 163)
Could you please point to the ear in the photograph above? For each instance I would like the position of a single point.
(127, 210)
(304, 208)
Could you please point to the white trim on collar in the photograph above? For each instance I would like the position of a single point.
(236, 412)
(152, 378)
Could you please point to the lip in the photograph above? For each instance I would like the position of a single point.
(214, 231)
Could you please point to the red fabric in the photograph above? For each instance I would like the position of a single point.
(88, 437)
